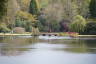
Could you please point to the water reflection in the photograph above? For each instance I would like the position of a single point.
(82, 46)
(34, 50)
(77, 45)
(17, 45)
(11, 46)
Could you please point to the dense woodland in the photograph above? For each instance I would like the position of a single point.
(48, 15)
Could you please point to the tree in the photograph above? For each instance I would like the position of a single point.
(3, 9)
(78, 24)
(23, 4)
(55, 26)
(90, 28)
(83, 7)
(93, 8)
(53, 15)
(34, 7)
(25, 20)
(43, 3)
(4, 28)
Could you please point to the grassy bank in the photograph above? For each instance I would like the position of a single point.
(8, 34)
(93, 36)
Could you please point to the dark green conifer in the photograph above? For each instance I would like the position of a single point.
(34, 7)
(93, 8)
(3, 8)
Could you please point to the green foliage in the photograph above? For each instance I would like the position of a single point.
(55, 26)
(34, 8)
(26, 16)
(4, 28)
(2, 8)
(43, 3)
(78, 24)
(93, 8)
(42, 25)
(28, 26)
(90, 28)
(25, 20)
(53, 12)
(25, 24)
(83, 7)
(23, 4)
(18, 23)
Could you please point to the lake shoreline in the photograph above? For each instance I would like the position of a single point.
(8, 34)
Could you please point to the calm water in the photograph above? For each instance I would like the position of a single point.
(47, 50)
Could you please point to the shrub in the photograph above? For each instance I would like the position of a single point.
(55, 26)
(4, 28)
(26, 16)
(25, 20)
(90, 28)
(72, 34)
(18, 23)
(78, 24)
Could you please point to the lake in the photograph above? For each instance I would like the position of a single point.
(47, 50)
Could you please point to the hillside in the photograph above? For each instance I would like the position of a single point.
(54, 15)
